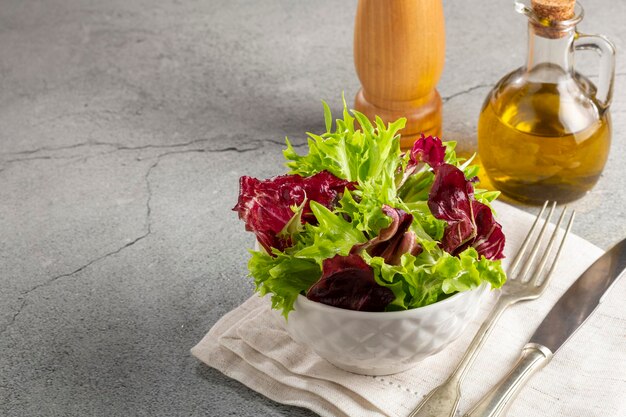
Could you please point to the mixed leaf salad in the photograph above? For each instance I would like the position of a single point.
(359, 224)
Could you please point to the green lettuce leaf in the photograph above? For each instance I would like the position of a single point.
(333, 235)
(432, 276)
(284, 276)
(349, 153)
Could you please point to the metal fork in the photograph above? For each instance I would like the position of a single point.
(444, 400)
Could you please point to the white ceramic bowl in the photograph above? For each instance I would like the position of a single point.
(381, 343)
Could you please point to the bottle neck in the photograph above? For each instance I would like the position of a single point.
(550, 50)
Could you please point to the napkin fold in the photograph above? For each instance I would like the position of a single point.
(587, 376)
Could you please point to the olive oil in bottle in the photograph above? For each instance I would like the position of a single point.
(544, 130)
(541, 145)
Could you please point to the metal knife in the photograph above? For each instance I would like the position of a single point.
(567, 315)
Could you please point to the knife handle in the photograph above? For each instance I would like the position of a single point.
(497, 401)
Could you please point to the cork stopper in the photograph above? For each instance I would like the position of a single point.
(550, 11)
(554, 10)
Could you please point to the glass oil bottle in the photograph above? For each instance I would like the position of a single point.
(544, 131)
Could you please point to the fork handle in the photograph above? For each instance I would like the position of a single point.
(444, 400)
(497, 401)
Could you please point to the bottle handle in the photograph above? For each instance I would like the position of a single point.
(606, 50)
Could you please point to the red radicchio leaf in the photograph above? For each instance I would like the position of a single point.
(450, 199)
(489, 237)
(394, 240)
(428, 149)
(348, 282)
(470, 223)
(265, 205)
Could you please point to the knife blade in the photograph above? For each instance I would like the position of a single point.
(581, 299)
(568, 314)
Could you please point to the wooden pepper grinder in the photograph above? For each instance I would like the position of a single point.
(399, 52)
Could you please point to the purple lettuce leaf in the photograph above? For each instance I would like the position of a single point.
(348, 282)
(265, 205)
(428, 149)
(470, 223)
(394, 240)
(450, 199)
(489, 240)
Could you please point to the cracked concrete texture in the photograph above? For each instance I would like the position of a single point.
(124, 127)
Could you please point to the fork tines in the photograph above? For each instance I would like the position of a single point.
(530, 259)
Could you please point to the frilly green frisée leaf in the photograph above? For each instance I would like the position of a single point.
(350, 153)
(387, 230)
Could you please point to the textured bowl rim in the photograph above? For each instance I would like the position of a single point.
(390, 314)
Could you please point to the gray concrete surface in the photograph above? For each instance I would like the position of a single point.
(124, 127)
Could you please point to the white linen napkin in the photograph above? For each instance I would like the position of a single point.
(587, 376)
